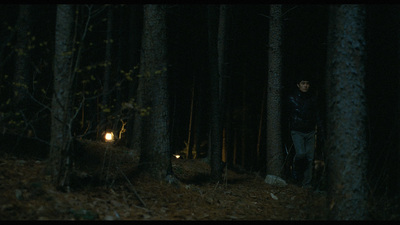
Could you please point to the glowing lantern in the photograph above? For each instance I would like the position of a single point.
(177, 156)
(109, 137)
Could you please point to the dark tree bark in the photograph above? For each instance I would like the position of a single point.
(189, 153)
(133, 63)
(221, 45)
(198, 117)
(395, 166)
(397, 171)
(347, 155)
(222, 62)
(274, 135)
(107, 64)
(22, 77)
(135, 30)
(142, 101)
(243, 124)
(59, 161)
(155, 157)
(216, 49)
(214, 134)
(227, 91)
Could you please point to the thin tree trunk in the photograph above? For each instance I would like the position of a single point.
(234, 148)
(397, 171)
(188, 149)
(217, 88)
(221, 45)
(222, 62)
(22, 77)
(261, 123)
(215, 116)
(198, 116)
(133, 62)
(59, 157)
(107, 69)
(397, 144)
(134, 46)
(121, 47)
(244, 123)
(274, 135)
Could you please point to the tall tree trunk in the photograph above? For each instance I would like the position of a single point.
(222, 68)
(22, 76)
(243, 122)
(59, 160)
(107, 64)
(274, 135)
(189, 153)
(141, 103)
(134, 58)
(216, 49)
(395, 169)
(134, 45)
(227, 102)
(260, 125)
(198, 116)
(347, 155)
(155, 157)
(215, 126)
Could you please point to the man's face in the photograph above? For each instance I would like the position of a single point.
(303, 85)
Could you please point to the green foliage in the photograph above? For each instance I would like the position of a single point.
(12, 120)
(145, 111)
(127, 75)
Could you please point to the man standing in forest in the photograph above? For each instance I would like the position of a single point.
(304, 118)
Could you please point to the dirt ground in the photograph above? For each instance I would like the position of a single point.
(26, 194)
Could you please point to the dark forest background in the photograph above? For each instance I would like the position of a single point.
(305, 30)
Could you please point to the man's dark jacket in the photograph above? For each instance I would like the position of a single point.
(304, 115)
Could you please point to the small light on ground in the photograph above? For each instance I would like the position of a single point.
(109, 137)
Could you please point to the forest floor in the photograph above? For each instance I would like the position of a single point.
(27, 194)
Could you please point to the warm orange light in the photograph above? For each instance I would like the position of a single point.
(109, 137)
(177, 156)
